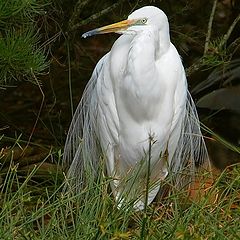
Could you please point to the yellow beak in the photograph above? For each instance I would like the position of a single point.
(115, 27)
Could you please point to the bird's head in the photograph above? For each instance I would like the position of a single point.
(137, 21)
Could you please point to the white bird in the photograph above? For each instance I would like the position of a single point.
(136, 99)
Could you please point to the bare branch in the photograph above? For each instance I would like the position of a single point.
(209, 32)
(96, 15)
(194, 67)
(227, 35)
(77, 10)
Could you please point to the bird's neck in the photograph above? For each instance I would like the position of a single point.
(162, 42)
(146, 48)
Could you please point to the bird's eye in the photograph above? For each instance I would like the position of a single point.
(144, 20)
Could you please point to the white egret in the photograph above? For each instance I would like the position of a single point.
(138, 89)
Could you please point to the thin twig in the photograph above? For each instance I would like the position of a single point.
(70, 77)
(144, 230)
(9, 139)
(77, 11)
(96, 15)
(198, 64)
(39, 112)
(3, 128)
(229, 32)
(194, 67)
(210, 27)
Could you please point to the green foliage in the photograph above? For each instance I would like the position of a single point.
(216, 54)
(19, 12)
(34, 211)
(21, 57)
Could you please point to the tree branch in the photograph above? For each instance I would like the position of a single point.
(210, 22)
(229, 32)
(95, 16)
(77, 10)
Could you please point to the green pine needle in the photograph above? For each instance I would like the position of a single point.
(20, 57)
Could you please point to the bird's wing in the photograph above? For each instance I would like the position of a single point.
(191, 150)
(81, 149)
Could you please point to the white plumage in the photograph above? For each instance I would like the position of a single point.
(137, 94)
